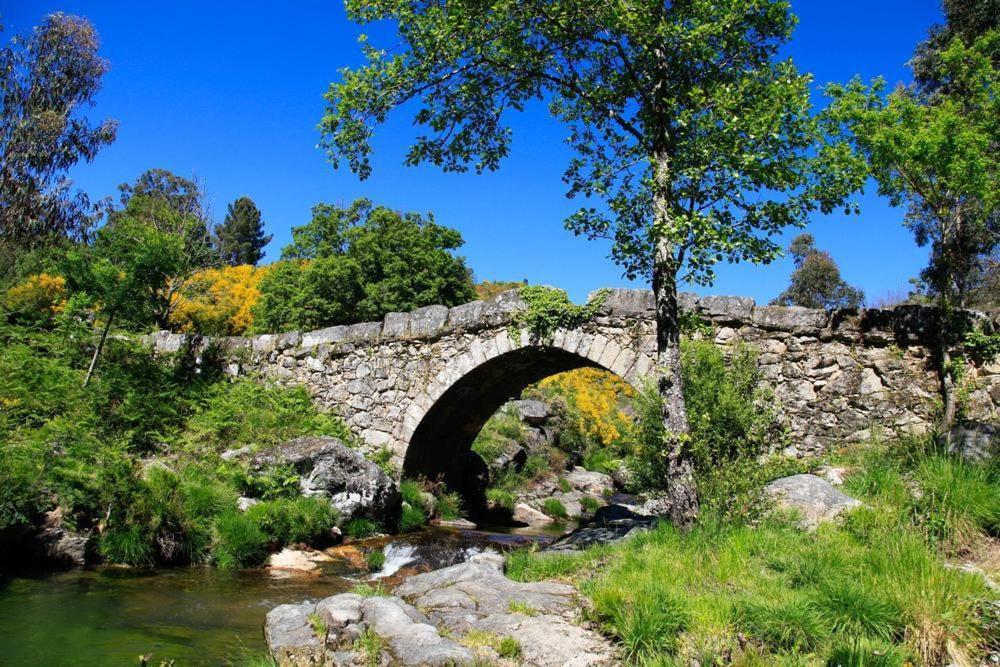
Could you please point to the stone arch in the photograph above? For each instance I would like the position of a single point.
(441, 423)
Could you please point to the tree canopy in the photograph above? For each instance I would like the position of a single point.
(47, 80)
(359, 262)
(816, 281)
(240, 239)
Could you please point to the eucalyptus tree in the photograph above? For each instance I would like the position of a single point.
(693, 143)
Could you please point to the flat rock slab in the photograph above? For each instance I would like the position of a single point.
(426, 621)
(814, 497)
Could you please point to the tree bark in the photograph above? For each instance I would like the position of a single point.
(97, 351)
(680, 487)
(949, 403)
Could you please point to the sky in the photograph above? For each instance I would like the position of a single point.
(230, 93)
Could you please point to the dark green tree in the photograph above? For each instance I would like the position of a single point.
(816, 281)
(46, 81)
(240, 239)
(125, 273)
(357, 263)
(696, 138)
(964, 19)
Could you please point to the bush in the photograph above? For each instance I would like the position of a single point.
(238, 542)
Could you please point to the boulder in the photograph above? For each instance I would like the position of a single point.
(355, 486)
(610, 523)
(292, 560)
(815, 498)
(590, 482)
(60, 545)
(290, 636)
(976, 441)
(525, 513)
(530, 411)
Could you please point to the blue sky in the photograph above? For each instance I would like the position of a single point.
(231, 93)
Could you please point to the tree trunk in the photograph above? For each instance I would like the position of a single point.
(97, 351)
(949, 403)
(680, 485)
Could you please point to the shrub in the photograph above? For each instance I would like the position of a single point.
(360, 528)
(375, 560)
(218, 302)
(594, 402)
(36, 299)
(238, 542)
(554, 508)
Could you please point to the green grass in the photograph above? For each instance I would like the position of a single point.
(360, 528)
(370, 646)
(375, 560)
(367, 590)
(238, 541)
(293, 521)
(590, 504)
(554, 508)
(411, 518)
(501, 498)
(564, 485)
(448, 506)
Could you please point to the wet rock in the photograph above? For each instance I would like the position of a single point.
(815, 498)
(355, 486)
(461, 524)
(295, 560)
(610, 523)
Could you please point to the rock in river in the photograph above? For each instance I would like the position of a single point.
(355, 486)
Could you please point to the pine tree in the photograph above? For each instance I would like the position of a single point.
(240, 238)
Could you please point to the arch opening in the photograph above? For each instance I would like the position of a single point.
(441, 444)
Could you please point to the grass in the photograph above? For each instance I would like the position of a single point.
(318, 625)
(870, 590)
(370, 646)
(501, 498)
(238, 541)
(360, 528)
(590, 504)
(367, 590)
(554, 508)
(411, 518)
(506, 647)
(375, 560)
(518, 607)
(448, 506)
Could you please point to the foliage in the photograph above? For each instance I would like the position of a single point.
(360, 528)
(816, 281)
(36, 300)
(487, 289)
(375, 560)
(448, 506)
(218, 302)
(47, 80)
(240, 239)
(359, 263)
(589, 504)
(548, 309)
(238, 542)
(411, 518)
(554, 508)
(415, 503)
(293, 520)
(596, 402)
(247, 412)
(370, 646)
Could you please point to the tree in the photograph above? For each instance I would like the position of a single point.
(816, 281)
(219, 302)
(359, 262)
(173, 205)
(46, 80)
(124, 272)
(937, 154)
(699, 142)
(240, 239)
(964, 19)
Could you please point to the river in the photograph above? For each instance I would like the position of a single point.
(192, 615)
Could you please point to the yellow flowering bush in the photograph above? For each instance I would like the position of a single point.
(218, 301)
(39, 296)
(597, 399)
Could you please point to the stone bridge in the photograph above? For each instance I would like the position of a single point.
(423, 383)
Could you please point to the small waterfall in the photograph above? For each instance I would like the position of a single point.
(396, 556)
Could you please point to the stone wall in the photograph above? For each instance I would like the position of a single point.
(426, 381)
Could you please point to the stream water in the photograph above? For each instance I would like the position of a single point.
(194, 615)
